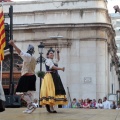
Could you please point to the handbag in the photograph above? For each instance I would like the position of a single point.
(2, 106)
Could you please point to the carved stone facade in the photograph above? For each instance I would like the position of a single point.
(87, 47)
(115, 17)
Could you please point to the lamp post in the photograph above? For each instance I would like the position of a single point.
(40, 49)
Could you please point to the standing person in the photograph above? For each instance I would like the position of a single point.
(27, 81)
(2, 98)
(106, 103)
(52, 90)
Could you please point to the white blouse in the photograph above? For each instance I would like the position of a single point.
(49, 63)
(99, 105)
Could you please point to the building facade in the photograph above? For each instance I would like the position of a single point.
(87, 46)
(115, 17)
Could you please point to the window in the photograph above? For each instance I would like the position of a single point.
(6, 70)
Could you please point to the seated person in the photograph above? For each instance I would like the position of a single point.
(74, 103)
(80, 103)
(99, 105)
(86, 104)
(118, 107)
(93, 104)
(113, 105)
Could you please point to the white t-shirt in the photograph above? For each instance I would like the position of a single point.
(25, 56)
(106, 105)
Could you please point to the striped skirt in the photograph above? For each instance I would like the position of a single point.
(48, 93)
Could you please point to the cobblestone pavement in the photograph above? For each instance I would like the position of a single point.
(63, 114)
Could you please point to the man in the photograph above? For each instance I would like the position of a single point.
(27, 81)
(106, 103)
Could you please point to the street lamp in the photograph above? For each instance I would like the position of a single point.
(40, 49)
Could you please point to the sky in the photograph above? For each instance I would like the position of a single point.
(110, 4)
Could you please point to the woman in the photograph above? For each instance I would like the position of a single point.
(93, 104)
(99, 105)
(52, 90)
(86, 104)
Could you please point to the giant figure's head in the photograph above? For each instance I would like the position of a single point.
(30, 49)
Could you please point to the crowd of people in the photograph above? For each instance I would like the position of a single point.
(93, 104)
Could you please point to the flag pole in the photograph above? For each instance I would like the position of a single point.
(2, 46)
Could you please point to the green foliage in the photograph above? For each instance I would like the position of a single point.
(41, 74)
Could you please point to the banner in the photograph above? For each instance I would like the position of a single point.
(2, 35)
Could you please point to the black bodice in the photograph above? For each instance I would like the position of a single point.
(59, 89)
(47, 68)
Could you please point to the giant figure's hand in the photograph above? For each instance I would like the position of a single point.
(11, 42)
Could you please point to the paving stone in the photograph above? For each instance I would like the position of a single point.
(63, 114)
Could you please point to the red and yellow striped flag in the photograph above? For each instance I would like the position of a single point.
(2, 35)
